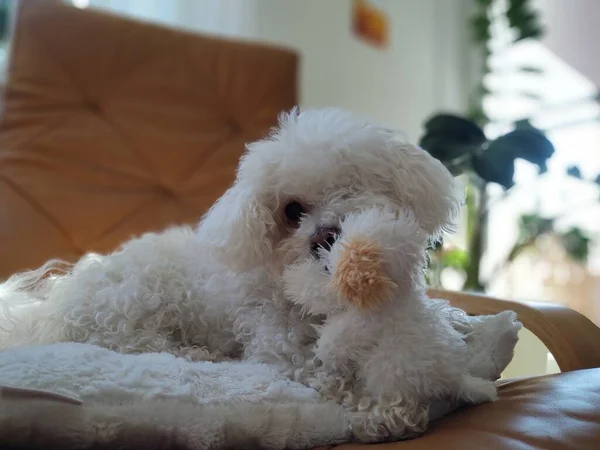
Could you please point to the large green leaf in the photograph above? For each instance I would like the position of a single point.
(448, 137)
(541, 162)
(495, 167)
(496, 164)
(531, 144)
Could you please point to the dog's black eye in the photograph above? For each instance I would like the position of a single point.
(294, 211)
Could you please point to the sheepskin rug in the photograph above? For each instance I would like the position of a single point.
(73, 396)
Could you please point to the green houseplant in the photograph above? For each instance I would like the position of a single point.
(461, 144)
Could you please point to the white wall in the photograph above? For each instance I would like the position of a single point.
(573, 33)
(401, 85)
(423, 69)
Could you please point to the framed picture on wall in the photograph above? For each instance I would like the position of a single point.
(370, 23)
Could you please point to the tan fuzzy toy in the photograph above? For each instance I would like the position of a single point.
(360, 276)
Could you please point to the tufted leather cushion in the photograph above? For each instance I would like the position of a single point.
(112, 127)
(556, 412)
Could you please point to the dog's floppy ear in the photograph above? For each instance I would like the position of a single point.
(237, 228)
(428, 188)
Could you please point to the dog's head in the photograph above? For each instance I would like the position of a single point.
(378, 256)
(295, 188)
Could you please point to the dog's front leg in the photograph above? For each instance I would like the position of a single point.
(269, 335)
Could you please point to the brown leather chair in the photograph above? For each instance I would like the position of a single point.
(112, 127)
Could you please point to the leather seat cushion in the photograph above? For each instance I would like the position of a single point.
(553, 412)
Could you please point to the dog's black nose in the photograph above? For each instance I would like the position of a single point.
(324, 238)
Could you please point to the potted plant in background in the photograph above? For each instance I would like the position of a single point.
(461, 144)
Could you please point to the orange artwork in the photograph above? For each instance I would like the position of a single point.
(370, 23)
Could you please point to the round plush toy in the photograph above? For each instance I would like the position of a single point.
(359, 275)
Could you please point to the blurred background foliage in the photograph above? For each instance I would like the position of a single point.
(4, 18)
(461, 144)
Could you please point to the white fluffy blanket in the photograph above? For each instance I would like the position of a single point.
(72, 396)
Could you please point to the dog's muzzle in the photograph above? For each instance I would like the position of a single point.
(323, 237)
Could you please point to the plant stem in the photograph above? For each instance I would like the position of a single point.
(477, 217)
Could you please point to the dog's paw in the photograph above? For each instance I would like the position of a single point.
(477, 390)
(367, 432)
(491, 344)
(388, 424)
(508, 327)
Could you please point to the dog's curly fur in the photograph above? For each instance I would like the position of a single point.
(226, 288)
(386, 361)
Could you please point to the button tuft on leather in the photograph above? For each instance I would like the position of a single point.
(165, 191)
(235, 126)
(93, 106)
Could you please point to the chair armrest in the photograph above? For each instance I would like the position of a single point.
(572, 338)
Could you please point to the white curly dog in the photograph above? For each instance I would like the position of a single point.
(233, 286)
